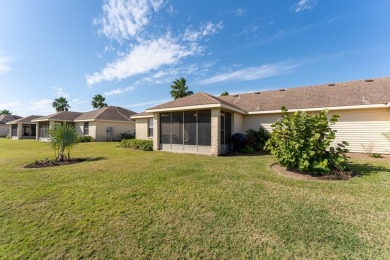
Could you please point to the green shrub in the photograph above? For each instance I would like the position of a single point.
(248, 150)
(8, 136)
(376, 155)
(85, 138)
(127, 135)
(145, 145)
(301, 141)
(257, 139)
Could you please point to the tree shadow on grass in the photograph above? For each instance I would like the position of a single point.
(365, 169)
(94, 159)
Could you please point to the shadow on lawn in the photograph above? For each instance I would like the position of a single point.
(365, 169)
(94, 159)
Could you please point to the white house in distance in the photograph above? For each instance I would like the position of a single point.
(4, 119)
(23, 128)
(105, 124)
(202, 123)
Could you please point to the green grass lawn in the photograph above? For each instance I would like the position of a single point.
(134, 204)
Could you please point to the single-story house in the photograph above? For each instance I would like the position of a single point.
(4, 119)
(23, 128)
(104, 124)
(202, 123)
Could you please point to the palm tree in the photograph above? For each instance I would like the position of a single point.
(98, 101)
(225, 93)
(61, 104)
(5, 112)
(62, 138)
(179, 89)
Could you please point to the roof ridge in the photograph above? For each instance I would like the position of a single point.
(103, 109)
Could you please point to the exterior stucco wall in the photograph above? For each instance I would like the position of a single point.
(215, 131)
(141, 128)
(4, 130)
(238, 123)
(156, 131)
(119, 127)
(79, 126)
(359, 127)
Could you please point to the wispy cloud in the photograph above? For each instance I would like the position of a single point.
(240, 12)
(123, 19)
(149, 103)
(304, 5)
(206, 29)
(118, 91)
(61, 93)
(252, 73)
(143, 58)
(4, 64)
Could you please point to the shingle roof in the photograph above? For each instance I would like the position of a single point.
(24, 120)
(60, 116)
(111, 113)
(7, 118)
(196, 99)
(142, 114)
(350, 93)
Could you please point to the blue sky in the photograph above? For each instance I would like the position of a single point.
(131, 51)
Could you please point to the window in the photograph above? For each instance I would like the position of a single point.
(150, 127)
(86, 128)
(188, 128)
(14, 130)
(44, 129)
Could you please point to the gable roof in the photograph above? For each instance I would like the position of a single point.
(342, 94)
(142, 115)
(24, 120)
(110, 113)
(60, 116)
(7, 118)
(194, 100)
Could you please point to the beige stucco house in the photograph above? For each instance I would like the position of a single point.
(202, 123)
(105, 124)
(4, 128)
(23, 128)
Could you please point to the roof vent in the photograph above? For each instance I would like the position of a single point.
(235, 95)
(369, 80)
(282, 89)
(331, 84)
(257, 92)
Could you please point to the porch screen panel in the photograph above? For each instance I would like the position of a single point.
(33, 130)
(44, 129)
(204, 127)
(165, 128)
(177, 128)
(228, 127)
(190, 127)
(14, 130)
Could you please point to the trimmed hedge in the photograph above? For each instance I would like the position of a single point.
(84, 139)
(144, 145)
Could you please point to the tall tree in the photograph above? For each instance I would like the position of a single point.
(98, 101)
(179, 89)
(61, 104)
(225, 93)
(5, 112)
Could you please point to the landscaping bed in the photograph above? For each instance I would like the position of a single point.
(53, 163)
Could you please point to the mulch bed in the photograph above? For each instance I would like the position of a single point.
(295, 174)
(53, 163)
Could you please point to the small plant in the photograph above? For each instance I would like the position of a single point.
(368, 148)
(127, 135)
(376, 155)
(301, 141)
(257, 139)
(145, 145)
(8, 136)
(85, 138)
(62, 138)
(248, 150)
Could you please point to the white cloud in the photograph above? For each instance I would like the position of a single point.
(252, 73)
(144, 58)
(206, 29)
(4, 64)
(113, 92)
(240, 12)
(129, 88)
(60, 92)
(304, 5)
(150, 103)
(123, 19)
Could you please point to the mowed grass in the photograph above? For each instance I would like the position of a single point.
(134, 204)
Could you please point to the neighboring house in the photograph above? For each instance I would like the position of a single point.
(23, 128)
(45, 123)
(106, 124)
(4, 119)
(202, 123)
